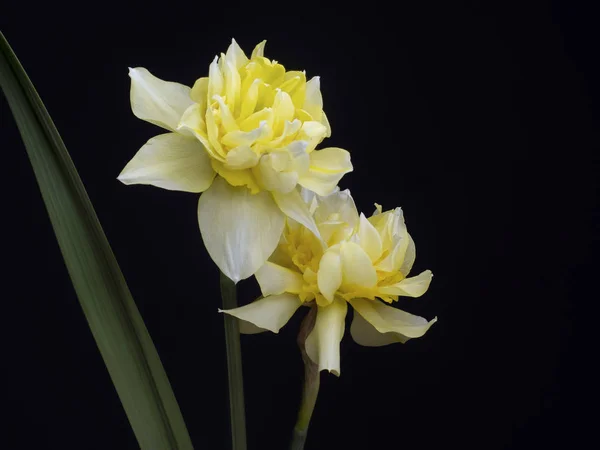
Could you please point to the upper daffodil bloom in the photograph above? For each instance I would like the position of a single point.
(358, 260)
(246, 137)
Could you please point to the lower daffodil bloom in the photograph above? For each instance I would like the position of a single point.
(245, 136)
(358, 260)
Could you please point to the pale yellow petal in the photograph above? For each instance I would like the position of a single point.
(294, 207)
(369, 238)
(271, 177)
(170, 161)
(239, 230)
(275, 279)
(238, 138)
(236, 55)
(388, 320)
(242, 157)
(410, 287)
(212, 131)
(323, 343)
(156, 101)
(216, 83)
(313, 102)
(325, 122)
(199, 92)
(312, 132)
(327, 167)
(193, 122)
(226, 114)
(357, 268)
(366, 334)
(409, 257)
(269, 313)
(259, 50)
(329, 276)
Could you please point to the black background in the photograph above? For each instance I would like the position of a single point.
(478, 120)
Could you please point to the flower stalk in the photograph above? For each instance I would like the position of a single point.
(311, 383)
(234, 367)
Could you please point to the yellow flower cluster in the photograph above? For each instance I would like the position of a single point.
(246, 136)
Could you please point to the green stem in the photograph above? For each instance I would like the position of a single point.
(311, 383)
(234, 367)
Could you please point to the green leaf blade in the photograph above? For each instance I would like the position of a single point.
(116, 324)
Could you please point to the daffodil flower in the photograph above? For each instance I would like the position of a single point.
(246, 137)
(357, 260)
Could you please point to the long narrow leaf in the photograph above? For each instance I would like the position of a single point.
(118, 328)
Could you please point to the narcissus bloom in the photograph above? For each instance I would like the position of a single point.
(357, 260)
(246, 137)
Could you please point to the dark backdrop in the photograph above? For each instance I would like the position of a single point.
(478, 121)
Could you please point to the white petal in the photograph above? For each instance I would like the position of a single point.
(170, 161)
(269, 313)
(236, 55)
(329, 276)
(410, 287)
(357, 268)
(156, 101)
(293, 206)
(323, 343)
(275, 279)
(240, 230)
(387, 320)
(339, 204)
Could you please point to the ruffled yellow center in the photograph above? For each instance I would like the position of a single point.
(257, 121)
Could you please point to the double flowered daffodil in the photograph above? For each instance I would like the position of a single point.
(357, 260)
(245, 136)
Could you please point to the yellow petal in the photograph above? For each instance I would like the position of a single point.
(369, 238)
(275, 279)
(294, 207)
(410, 287)
(156, 101)
(385, 319)
(249, 100)
(283, 109)
(269, 313)
(237, 177)
(170, 161)
(212, 131)
(227, 119)
(329, 276)
(313, 103)
(237, 138)
(357, 268)
(242, 157)
(239, 230)
(323, 343)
